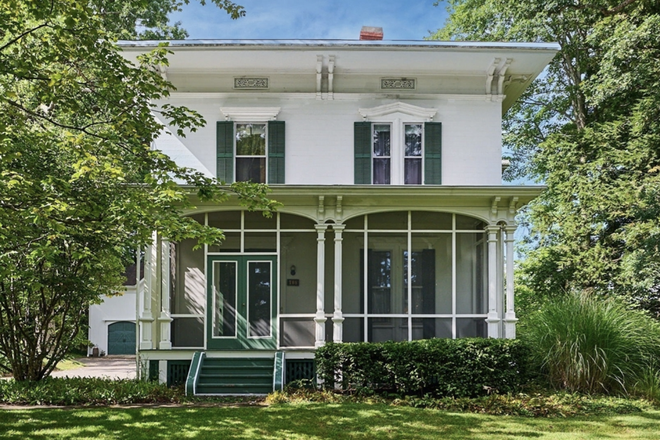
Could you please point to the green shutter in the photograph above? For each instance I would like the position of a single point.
(225, 151)
(276, 152)
(362, 145)
(433, 153)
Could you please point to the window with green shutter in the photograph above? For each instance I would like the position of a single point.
(250, 151)
(398, 153)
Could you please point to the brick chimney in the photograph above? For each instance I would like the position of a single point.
(371, 33)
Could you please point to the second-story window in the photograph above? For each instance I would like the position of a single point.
(397, 154)
(251, 152)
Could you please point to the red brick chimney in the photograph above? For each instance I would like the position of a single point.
(371, 33)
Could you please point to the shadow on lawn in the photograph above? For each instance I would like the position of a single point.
(320, 421)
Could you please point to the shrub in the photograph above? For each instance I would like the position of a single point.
(439, 367)
(85, 391)
(590, 344)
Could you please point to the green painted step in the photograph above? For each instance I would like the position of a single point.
(236, 376)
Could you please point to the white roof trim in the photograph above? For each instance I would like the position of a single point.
(250, 114)
(398, 107)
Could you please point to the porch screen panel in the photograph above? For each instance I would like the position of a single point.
(259, 299)
(224, 291)
(471, 277)
(225, 151)
(433, 153)
(188, 285)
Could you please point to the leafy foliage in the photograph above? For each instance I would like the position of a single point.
(440, 367)
(79, 182)
(589, 128)
(595, 345)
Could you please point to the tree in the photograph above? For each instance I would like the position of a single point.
(588, 128)
(79, 182)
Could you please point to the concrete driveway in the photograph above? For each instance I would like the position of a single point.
(113, 367)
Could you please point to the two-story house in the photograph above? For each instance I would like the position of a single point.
(395, 225)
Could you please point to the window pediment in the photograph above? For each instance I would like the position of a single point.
(398, 107)
(250, 114)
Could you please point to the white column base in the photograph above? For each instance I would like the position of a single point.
(146, 339)
(320, 330)
(510, 321)
(493, 325)
(337, 328)
(165, 332)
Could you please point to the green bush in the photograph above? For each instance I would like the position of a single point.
(590, 344)
(438, 367)
(85, 391)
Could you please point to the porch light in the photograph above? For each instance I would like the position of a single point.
(293, 270)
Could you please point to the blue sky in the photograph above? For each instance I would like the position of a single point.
(301, 19)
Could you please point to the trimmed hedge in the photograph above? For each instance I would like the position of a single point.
(438, 367)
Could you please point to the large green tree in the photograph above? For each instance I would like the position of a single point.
(589, 129)
(79, 182)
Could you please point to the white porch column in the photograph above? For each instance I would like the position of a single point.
(337, 316)
(320, 319)
(150, 281)
(510, 316)
(164, 319)
(493, 319)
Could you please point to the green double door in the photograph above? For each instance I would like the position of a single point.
(242, 302)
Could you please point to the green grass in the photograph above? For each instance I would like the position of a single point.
(312, 421)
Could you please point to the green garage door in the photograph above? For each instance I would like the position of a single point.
(121, 338)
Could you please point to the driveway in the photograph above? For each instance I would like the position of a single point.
(113, 367)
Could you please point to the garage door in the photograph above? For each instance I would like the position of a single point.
(121, 338)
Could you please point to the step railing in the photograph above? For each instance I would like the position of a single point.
(193, 372)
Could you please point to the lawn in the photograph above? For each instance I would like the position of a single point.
(312, 421)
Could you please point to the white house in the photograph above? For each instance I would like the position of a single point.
(387, 156)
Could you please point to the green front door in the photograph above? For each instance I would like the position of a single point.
(242, 301)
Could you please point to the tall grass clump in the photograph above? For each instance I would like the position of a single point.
(586, 343)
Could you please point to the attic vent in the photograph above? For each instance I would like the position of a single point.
(371, 33)
(397, 83)
(250, 83)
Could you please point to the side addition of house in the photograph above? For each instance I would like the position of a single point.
(395, 225)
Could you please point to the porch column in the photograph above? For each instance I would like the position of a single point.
(150, 281)
(337, 316)
(510, 316)
(319, 319)
(165, 319)
(493, 318)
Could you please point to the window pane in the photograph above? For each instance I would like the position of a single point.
(259, 298)
(260, 242)
(224, 291)
(290, 221)
(389, 220)
(465, 222)
(187, 332)
(431, 220)
(427, 328)
(387, 329)
(471, 276)
(188, 291)
(256, 220)
(250, 139)
(413, 168)
(353, 330)
(413, 140)
(432, 273)
(381, 140)
(225, 220)
(231, 243)
(250, 169)
(381, 171)
(352, 273)
(380, 282)
(471, 328)
(298, 332)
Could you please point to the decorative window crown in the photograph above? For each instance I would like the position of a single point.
(398, 107)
